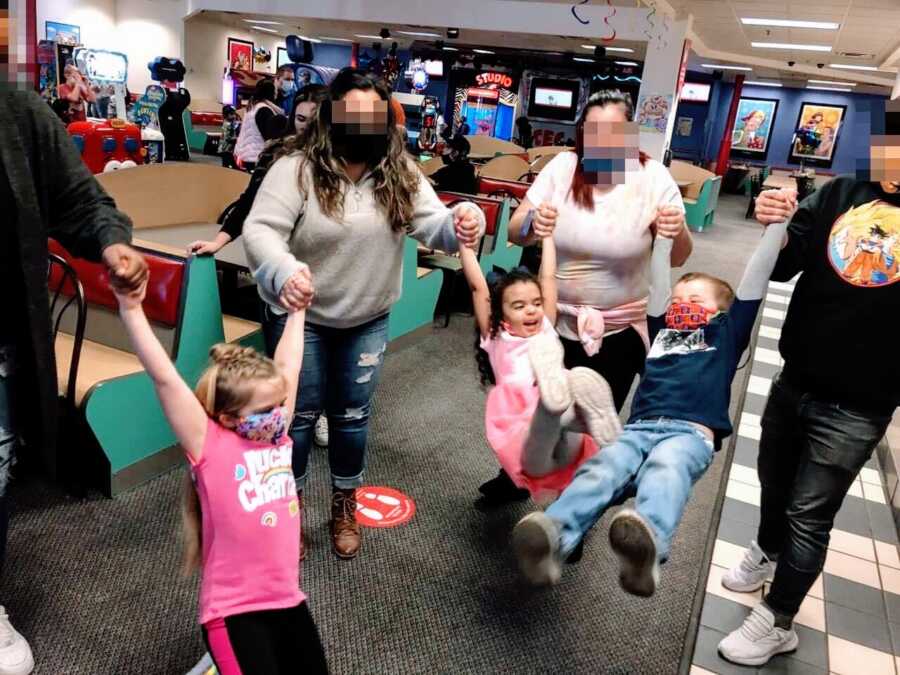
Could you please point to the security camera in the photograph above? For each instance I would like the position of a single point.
(820, 65)
(791, 63)
(453, 33)
(384, 33)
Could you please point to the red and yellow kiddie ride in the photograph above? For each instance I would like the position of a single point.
(108, 145)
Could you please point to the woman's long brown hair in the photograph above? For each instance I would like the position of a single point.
(582, 191)
(396, 177)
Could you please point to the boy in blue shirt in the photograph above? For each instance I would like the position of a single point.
(679, 416)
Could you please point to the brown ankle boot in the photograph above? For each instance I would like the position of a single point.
(345, 535)
(302, 529)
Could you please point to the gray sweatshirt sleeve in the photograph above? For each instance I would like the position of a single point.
(432, 222)
(268, 227)
(660, 271)
(758, 271)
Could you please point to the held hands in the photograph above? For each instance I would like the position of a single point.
(544, 220)
(775, 206)
(669, 222)
(467, 225)
(127, 268)
(298, 291)
(129, 300)
(201, 247)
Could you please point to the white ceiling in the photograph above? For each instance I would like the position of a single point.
(869, 34)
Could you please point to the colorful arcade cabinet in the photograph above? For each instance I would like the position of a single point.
(108, 145)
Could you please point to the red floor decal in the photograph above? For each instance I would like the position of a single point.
(379, 506)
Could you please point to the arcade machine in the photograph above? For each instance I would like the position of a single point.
(107, 72)
(145, 113)
(107, 145)
(169, 73)
(106, 142)
(428, 132)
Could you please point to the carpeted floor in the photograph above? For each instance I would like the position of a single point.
(95, 585)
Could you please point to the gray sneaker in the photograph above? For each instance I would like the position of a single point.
(758, 639)
(546, 355)
(594, 404)
(321, 436)
(632, 540)
(535, 541)
(15, 654)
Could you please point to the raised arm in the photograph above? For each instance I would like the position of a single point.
(182, 409)
(435, 225)
(759, 269)
(547, 278)
(289, 354)
(481, 296)
(660, 272)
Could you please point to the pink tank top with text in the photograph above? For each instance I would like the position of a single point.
(251, 525)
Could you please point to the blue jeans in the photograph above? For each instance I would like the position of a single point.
(339, 373)
(660, 459)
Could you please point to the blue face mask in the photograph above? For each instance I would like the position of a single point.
(265, 427)
(287, 87)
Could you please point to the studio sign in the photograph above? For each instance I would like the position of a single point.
(500, 79)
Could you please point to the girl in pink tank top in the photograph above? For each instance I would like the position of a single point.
(541, 420)
(241, 515)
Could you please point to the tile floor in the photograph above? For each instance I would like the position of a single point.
(850, 622)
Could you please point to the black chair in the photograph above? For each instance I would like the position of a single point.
(806, 185)
(68, 291)
(75, 439)
(756, 182)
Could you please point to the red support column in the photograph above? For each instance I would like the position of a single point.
(31, 41)
(725, 145)
(354, 55)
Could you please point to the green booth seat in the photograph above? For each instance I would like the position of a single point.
(418, 297)
(700, 213)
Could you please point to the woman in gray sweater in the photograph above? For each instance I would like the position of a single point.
(336, 214)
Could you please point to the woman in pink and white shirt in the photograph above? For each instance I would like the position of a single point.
(602, 203)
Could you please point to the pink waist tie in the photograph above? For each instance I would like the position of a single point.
(593, 323)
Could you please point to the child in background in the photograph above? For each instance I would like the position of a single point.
(241, 516)
(541, 420)
(679, 414)
(230, 127)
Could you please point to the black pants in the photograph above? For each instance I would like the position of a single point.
(273, 642)
(620, 358)
(810, 452)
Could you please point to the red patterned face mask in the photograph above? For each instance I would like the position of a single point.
(687, 316)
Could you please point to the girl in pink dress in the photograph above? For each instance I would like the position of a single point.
(541, 420)
(241, 516)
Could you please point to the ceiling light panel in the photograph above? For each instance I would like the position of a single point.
(789, 23)
(791, 46)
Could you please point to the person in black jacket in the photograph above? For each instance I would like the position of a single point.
(305, 104)
(458, 174)
(836, 394)
(45, 191)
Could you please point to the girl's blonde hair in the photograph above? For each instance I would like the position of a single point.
(225, 387)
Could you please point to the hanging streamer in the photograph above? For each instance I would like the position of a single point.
(583, 22)
(650, 21)
(606, 19)
(665, 31)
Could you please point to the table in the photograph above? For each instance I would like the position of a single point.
(179, 236)
(683, 185)
(777, 182)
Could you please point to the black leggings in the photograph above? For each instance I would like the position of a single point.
(620, 358)
(270, 642)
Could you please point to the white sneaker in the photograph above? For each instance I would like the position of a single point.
(535, 541)
(321, 438)
(632, 540)
(758, 639)
(545, 352)
(594, 402)
(15, 654)
(751, 573)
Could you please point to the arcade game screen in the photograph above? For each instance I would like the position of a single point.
(554, 99)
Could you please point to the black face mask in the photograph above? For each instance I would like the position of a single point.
(446, 159)
(355, 147)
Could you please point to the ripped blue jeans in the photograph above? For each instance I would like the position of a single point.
(339, 374)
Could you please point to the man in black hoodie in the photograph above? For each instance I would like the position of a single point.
(831, 404)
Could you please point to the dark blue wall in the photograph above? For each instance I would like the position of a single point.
(691, 145)
(335, 56)
(850, 145)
